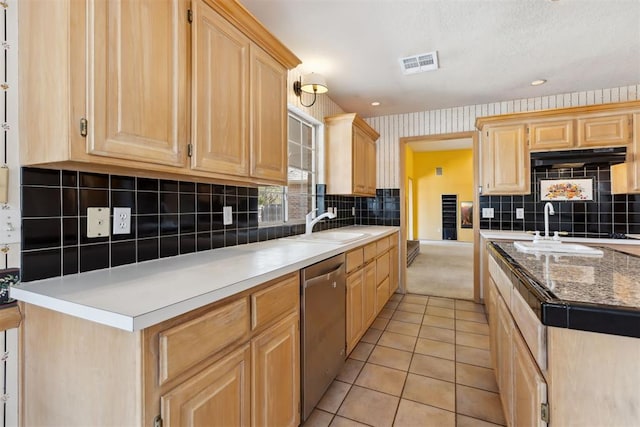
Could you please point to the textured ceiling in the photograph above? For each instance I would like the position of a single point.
(489, 50)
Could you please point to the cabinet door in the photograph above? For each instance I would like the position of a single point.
(504, 331)
(369, 298)
(382, 294)
(634, 167)
(275, 374)
(360, 158)
(370, 165)
(505, 165)
(529, 387)
(220, 85)
(394, 269)
(268, 118)
(219, 395)
(355, 305)
(137, 80)
(551, 135)
(492, 314)
(603, 131)
(382, 267)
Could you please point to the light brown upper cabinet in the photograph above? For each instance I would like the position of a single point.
(138, 87)
(505, 160)
(551, 135)
(603, 131)
(351, 155)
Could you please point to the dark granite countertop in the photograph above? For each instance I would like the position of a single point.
(597, 294)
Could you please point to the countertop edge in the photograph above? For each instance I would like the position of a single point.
(172, 309)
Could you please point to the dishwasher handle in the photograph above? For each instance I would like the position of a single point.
(325, 278)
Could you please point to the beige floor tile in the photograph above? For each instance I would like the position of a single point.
(464, 421)
(350, 371)
(434, 348)
(440, 311)
(416, 299)
(433, 367)
(396, 297)
(362, 351)
(473, 356)
(404, 316)
(391, 357)
(438, 334)
(345, 422)
(381, 378)
(473, 327)
(371, 336)
(380, 323)
(441, 302)
(369, 407)
(391, 305)
(386, 313)
(472, 340)
(412, 414)
(318, 418)
(479, 404)
(411, 308)
(430, 391)
(471, 316)
(403, 328)
(333, 397)
(476, 376)
(439, 322)
(469, 306)
(397, 341)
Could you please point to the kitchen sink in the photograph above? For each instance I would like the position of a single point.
(329, 237)
(556, 247)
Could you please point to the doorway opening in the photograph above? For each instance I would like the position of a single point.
(439, 176)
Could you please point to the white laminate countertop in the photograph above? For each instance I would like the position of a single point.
(136, 296)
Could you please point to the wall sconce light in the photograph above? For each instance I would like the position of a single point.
(310, 83)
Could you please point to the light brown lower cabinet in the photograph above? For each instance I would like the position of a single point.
(234, 362)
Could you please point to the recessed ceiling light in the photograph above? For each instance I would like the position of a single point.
(375, 103)
(538, 82)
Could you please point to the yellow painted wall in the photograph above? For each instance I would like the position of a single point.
(409, 175)
(456, 178)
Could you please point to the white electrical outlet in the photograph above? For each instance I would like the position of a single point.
(353, 211)
(10, 225)
(97, 222)
(227, 215)
(519, 213)
(487, 212)
(121, 220)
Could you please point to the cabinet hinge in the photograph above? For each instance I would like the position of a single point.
(83, 127)
(189, 150)
(189, 16)
(157, 421)
(544, 412)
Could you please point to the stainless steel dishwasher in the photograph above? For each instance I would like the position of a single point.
(323, 328)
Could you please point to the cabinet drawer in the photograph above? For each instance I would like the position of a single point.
(382, 267)
(533, 331)
(382, 245)
(382, 294)
(370, 252)
(278, 299)
(189, 343)
(355, 259)
(393, 240)
(501, 280)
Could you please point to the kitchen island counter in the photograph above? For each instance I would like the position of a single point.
(596, 294)
(136, 296)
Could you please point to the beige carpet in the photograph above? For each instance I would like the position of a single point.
(443, 269)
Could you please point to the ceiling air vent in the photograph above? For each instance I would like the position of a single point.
(419, 63)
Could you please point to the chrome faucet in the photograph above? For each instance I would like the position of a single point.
(548, 210)
(311, 219)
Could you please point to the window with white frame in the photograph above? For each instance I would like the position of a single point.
(290, 204)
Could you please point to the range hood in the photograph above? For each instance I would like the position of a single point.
(578, 158)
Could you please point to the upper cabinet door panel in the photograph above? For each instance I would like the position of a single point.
(604, 130)
(137, 80)
(506, 163)
(551, 135)
(220, 89)
(268, 118)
